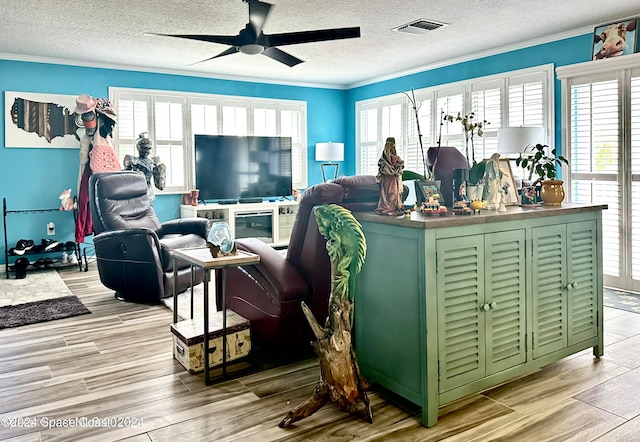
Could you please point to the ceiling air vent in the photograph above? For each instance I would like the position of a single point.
(420, 27)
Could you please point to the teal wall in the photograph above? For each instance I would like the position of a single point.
(33, 178)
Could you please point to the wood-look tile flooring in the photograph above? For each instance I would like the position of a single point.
(117, 363)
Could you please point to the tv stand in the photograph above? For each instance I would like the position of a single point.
(270, 222)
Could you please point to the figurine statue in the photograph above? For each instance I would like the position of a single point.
(150, 167)
(340, 379)
(390, 167)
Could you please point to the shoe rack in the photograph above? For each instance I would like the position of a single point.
(33, 256)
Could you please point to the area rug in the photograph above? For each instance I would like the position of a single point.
(41, 311)
(622, 300)
(41, 296)
(37, 286)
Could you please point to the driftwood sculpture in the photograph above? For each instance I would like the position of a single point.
(340, 379)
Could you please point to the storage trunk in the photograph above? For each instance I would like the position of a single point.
(188, 340)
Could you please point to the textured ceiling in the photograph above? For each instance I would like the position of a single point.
(111, 33)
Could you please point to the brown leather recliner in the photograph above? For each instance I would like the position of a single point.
(269, 294)
(134, 250)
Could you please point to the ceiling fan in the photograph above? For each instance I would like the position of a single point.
(251, 40)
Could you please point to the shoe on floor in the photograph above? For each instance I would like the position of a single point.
(64, 259)
(21, 265)
(48, 262)
(73, 259)
(39, 264)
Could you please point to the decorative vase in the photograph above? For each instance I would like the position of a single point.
(475, 192)
(194, 196)
(552, 192)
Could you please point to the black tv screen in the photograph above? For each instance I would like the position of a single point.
(235, 167)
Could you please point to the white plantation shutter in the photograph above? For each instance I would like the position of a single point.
(594, 144)
(173, 119)
(368, 139)
(204, 118)
(133, 119)
(634, 137)
(413, 156)
(234, 118)
(291, 126)
(486, 104)
(169, 138)
(451, 102)
(511, 99)
(527, 100)
(264, 120)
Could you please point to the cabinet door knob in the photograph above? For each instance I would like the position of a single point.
(485, 307)
(493, 305)
(571, 285)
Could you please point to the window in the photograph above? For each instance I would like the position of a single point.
(601, 113)
(172, 119)
(512, 99)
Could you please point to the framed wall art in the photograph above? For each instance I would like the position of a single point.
(508, 183)
(614, 39)
(40, 120)
(428, 191)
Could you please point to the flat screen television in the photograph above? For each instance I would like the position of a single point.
(242, 167)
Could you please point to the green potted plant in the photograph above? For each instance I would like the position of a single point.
(545, 167)
(475, 189)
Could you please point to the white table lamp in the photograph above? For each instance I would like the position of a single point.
(328, 152)
(514, 140)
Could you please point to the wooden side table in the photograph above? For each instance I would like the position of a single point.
(201, 257)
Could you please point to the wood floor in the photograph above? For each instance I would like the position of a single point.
(116, 364)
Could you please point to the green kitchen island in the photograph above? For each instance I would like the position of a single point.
(449, 306)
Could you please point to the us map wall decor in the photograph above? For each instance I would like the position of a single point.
(40, 120)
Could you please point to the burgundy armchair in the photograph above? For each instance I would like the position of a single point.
(269, 294)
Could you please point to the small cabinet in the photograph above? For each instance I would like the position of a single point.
(564, 280)
(481, 306)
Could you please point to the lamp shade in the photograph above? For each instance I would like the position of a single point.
(516, 139)
(329, 151)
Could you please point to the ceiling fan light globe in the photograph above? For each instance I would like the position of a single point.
(252, 49)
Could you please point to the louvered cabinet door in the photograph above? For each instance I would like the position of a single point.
(582, 281)
(505, 300)
(548, 274)
(460, 286)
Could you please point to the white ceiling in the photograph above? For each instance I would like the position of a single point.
(110, 33)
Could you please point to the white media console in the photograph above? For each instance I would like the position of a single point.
(270, 222)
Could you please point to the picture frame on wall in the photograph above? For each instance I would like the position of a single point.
(509, 183)
(428, 191)
(615, 39)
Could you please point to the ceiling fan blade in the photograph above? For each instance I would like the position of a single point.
(292, 38)
(258, 13)
(232, 40)
(231, 50)
(282, 57)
